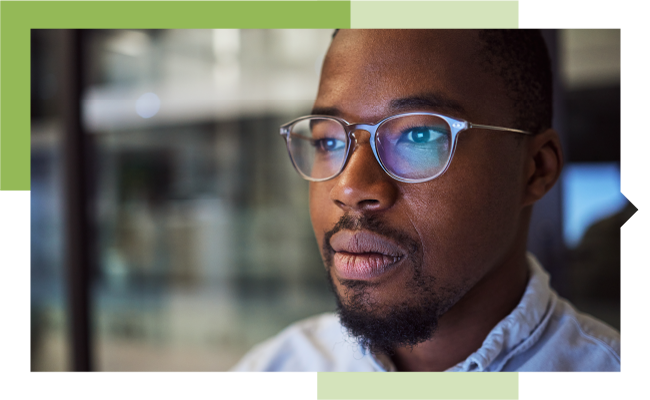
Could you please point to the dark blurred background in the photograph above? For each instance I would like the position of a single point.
(169, 229)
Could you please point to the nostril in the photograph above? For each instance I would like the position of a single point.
(368, 204)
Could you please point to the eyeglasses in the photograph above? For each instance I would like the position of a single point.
(413, 147)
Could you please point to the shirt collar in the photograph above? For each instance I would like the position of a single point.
(514, 334)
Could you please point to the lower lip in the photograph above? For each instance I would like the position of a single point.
(363, 266)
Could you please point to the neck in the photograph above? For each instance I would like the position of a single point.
(463, 328)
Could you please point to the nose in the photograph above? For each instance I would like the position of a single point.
(363, 185)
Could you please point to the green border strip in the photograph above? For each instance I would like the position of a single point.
(418, 385)
(176, 14)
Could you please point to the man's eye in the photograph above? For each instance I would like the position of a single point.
(422, 134)
(328, 144)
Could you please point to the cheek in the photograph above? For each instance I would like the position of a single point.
(470, 217)
(487, 185)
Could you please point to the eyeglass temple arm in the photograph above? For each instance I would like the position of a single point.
(498, 128)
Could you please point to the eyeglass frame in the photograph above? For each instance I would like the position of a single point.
(456, 126)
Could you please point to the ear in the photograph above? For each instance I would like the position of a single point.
(544, 163)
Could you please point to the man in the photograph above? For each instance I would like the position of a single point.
(426, 154)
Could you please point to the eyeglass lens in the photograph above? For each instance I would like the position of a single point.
(410, 147)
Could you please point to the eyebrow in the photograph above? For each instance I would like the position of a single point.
(428, 100)
(433, 101)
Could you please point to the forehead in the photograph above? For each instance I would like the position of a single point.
(366, 71)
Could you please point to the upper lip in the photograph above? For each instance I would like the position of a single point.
(364, 242)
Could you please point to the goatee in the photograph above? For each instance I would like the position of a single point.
(383, 327)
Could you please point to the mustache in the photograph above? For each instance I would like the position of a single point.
(369, 223)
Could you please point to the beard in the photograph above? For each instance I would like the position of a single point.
(381, 327)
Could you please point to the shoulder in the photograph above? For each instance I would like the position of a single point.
(573, 341)
(318, 343)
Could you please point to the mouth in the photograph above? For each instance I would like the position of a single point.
(362, 255)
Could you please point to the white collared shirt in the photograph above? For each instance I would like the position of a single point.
(543, 333)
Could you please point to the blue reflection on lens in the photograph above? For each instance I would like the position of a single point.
(417, 151)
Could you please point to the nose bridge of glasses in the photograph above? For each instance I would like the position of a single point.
(355, 129)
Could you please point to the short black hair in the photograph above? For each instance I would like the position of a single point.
(520, 58)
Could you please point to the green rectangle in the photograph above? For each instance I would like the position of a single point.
(417, 385)
(179, 14)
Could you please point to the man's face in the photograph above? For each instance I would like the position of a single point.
(403, 253)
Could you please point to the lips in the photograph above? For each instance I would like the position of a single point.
(362, 255)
